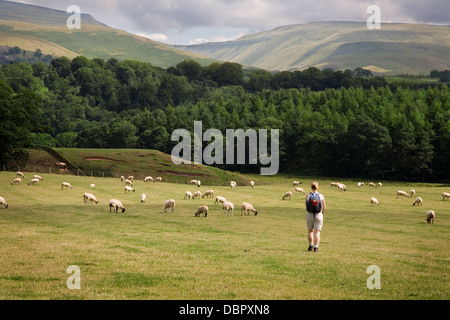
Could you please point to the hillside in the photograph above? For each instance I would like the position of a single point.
(31, 27)
(395, 49)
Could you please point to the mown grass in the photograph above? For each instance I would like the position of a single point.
(146, 254)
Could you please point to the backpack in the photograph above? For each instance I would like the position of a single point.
(314, 203)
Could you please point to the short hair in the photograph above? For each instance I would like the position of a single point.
(315, 185)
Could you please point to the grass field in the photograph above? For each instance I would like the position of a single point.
(146, 254)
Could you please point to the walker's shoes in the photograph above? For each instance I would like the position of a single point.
(316, 249)
(310, 248)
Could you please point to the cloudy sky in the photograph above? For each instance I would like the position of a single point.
(196, 21)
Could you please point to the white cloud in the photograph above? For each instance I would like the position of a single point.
(161, 37)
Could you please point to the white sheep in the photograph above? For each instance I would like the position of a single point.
(287, 195)
(16, 181)
(169, 204)
(380, 184)
(374, 202)
(202, 210)
(232, 184)
(89, 198)
(92, 185)
(131, 178)
(360, 184)
(188, 195)
(122, 178)
(193, 182)
(148, 179)
(246, 208)
(430, 216)
(342, 187)
(199, 183)
(220, 199)
(300, 190)
(334, 184)
(158, 179)
(38, 177)
(20, 174)
(372, 185)
(252, 183)
(402, 194)
(208, 194)
(66, 185)
(412, 193)
(143, 198)
(296, 183)
(3, 203)
(197, 194)
(418, 201)
(116, 205)
(128, 182)
(34, 182)
(445, 195)
(228, 206)
(128, 189)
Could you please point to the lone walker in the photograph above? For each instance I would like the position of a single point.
(315, 207)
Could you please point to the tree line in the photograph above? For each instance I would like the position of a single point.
(332, 123)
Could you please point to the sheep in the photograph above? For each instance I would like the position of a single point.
(208, 194)
(89, 197)
(445, 195)
(418, 201)
(131, 178)
(148, 179)
(360, 184)
(188, 195)
(252, 183)
(169, 204)
(197, 194)
(202, 210)
(193, 182)
(16, 181)
(232, 184)
(92, 185)
(20, 175)
(128, 182)
(158, 179)
(412, 192)
(38, 177)
(122, 178)
(116, 205)
(143, 198)
(300, 190)
(430, 216)
(287, 195)
(228, 206)
(34, 182)
(342, 187)
(402, 193)
(199, 183)
(128, 189)
(3, 203)
(372, 185)
(220, 199)
(296, 183)
(246, 208)
(380, 184)
(66, 185)
(374, 202)
(334, 184)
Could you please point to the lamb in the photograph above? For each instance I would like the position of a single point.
(402, 193)
(232, 184)
(128, 182)
(197, 194)
(20, 174)
(287, 195)
(418, 201)
(188, 195)
(34, 182)
(89, 197)
(38, 177)
(445, 195)
(412, 192)
(246, 208)
(116, 205)
(296, 183)
(430, 216)
(202, 210)
(300, 190)
(252, 183)
(16, 181)
(3, 203)
(342, 187)
(208, 194)
(143, 198)
(66, 185)
(228, 206)
(147, 179)
(169, 204)
(129, 189)
(158, 179)
(374, 202)
(220, 199)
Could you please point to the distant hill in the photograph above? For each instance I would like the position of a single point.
(32, 27)
(395, 49)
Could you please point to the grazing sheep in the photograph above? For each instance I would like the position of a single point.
(232, 184)
(418, 201)
(342, 187)
(20, 175)
(38, 177)
(34, 182)
(128, 189)
(66, 185)
(445, 195)
(360, 184)
(188, 195)
(89, 197)
(92, 185)
(334, 184)
(3, 203)
(430, 216)
(193, 182)
(143, 198)
(412, 192)
(246, 208)
(296, 183)
(169, 204)
(131, 178)
(220, 199)
(128, 182)
(202, 210)
(252, 183)
(16, 181)
(380, 184)
(116, 205)
(208, 194)
(228, 206)
(197, 194)
(300, 190)
(199, 183)
(372, 185)
(158, 179)
(374, 202)
(148, 179)
(287, 195)
(122, 178)
(402, 194)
